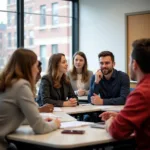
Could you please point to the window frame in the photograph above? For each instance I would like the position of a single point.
(55, 14)
(43, 15)
(43, 57)
(75, 24)
(9, 37)
(54, 48)
(31, 37)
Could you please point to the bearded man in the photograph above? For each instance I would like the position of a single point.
(108, 86)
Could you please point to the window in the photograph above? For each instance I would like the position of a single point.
(8, 12)
(54, 48)
(54, 13)
(43, 16)
(31, 37)
(1, 35)
(25, 39)
(15, 19)
(9, 39)
(25, 15)
(9, 19)
(1, 61)
(9, 1)
(15, 39)
(25, 34)
(1, 45)
(43, 57)
(30, 15)
(41, 35)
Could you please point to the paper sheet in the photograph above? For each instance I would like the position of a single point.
(74, 124)
(113, 108)
(57, 109)
(83, 98)
(45, 115)
(63, 117)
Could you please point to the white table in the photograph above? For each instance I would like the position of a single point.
(57, 140)
(62, 116)
(115, 108)
(82, 108)
(86, 108)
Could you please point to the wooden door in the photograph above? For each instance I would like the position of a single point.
(138, 26)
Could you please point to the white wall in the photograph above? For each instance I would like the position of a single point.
(102, 27)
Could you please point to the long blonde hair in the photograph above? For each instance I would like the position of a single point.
(18, 67)
(53, 72)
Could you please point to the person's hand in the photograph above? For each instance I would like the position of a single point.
(98, 76)
(72, 102)
(106, 115)
(46, 108)
(81, 92)
(108, 123)
(96, 100)
(57, 122)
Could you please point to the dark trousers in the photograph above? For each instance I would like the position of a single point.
(92, 117)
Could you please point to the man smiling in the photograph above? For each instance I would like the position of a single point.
(112, 85)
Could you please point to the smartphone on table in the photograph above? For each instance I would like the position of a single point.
(73, 132)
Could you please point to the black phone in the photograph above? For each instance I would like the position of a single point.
(73, 132)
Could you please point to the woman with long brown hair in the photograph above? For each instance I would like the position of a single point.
(17, 82)
(55, 88)
(80, 75)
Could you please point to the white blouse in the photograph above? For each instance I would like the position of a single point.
(80, 84)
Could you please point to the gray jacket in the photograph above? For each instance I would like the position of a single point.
(16, 104)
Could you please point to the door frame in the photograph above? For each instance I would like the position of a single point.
(126, 28)
(132, 83)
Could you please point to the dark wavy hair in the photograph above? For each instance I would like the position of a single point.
(53, 72)
(18, 67)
